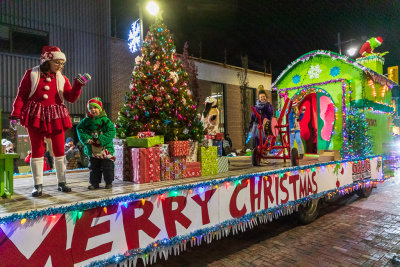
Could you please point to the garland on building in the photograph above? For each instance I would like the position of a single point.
(159, 99)
(359, 141)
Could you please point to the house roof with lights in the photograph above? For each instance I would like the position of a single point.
(326, 65)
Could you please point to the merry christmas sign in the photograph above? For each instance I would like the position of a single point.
(166, 220)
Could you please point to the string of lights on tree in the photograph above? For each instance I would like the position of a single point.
(159, 99)
(359, 141)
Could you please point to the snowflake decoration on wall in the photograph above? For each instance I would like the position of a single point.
(134, 37)
(314, 71)
(296, 79)
(335, 71)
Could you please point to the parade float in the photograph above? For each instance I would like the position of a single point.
(172, 197)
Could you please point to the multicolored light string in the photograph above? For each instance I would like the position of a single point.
(121, 200)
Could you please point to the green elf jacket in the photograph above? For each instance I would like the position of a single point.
(97, 128)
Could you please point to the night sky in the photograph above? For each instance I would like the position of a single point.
(275, 31)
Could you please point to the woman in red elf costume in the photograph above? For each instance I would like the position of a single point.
(39, 107)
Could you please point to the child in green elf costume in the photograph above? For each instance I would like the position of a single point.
(96, 132)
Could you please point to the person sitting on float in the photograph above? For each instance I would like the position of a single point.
(265, 109)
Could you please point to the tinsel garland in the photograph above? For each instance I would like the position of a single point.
(80, 206)
(165, 247)
(368, 104)
(283, 92)
(376, 76)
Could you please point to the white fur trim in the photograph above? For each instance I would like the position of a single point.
(55, 55)
(60, 85)
(35, 77)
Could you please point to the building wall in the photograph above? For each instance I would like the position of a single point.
(80, 28)
(122, 62)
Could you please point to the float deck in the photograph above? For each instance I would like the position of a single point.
(22, 200)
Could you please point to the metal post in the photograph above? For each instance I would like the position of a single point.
(141, 22)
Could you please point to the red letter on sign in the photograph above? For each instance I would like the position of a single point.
(84, 230)
(283, 189)
(235, 212)
(203, 204)
(54, 246)
(170, 216)
(133, 224)
(293, 180)
(267, 191)
(253, 195)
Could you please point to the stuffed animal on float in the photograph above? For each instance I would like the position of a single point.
(367, 49)
(210, 116)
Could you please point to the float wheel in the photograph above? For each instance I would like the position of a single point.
(308, 211)
(364, 192)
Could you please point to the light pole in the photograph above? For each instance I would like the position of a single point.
(141, 22)
(351, 51)
(152, 8)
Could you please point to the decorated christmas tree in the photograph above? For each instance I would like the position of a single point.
(359, 141)
(159, 99)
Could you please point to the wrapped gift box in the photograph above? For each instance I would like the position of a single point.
(179, 148)
(223, 164)
(193, 169)
(218, 144)
(123, 161)
(219, 136)
(208, 158)
(136, 178)
(119, 162)
(145, 142)
(146, 134)
(164, 151)
(178, 170)
(149, 164)
(194, 147)
(165, 168)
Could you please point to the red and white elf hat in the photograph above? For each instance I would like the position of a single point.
(95, 101)
(51, 53)
(379, 39)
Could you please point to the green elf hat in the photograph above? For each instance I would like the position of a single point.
(95, 101)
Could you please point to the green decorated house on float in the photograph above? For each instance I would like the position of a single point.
(329, 85)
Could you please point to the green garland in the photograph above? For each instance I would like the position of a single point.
(365, 103)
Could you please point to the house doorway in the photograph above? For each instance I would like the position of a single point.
(318, 121)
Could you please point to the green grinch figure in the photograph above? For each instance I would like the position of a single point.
(367, 49)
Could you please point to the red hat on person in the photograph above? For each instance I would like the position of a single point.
(95, 101)
(51, 53)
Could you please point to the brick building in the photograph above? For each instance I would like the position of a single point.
(214, 78)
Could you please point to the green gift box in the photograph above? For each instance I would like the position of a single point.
(208, 158)
(145, 142)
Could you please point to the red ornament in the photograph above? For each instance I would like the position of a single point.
(337, 183)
